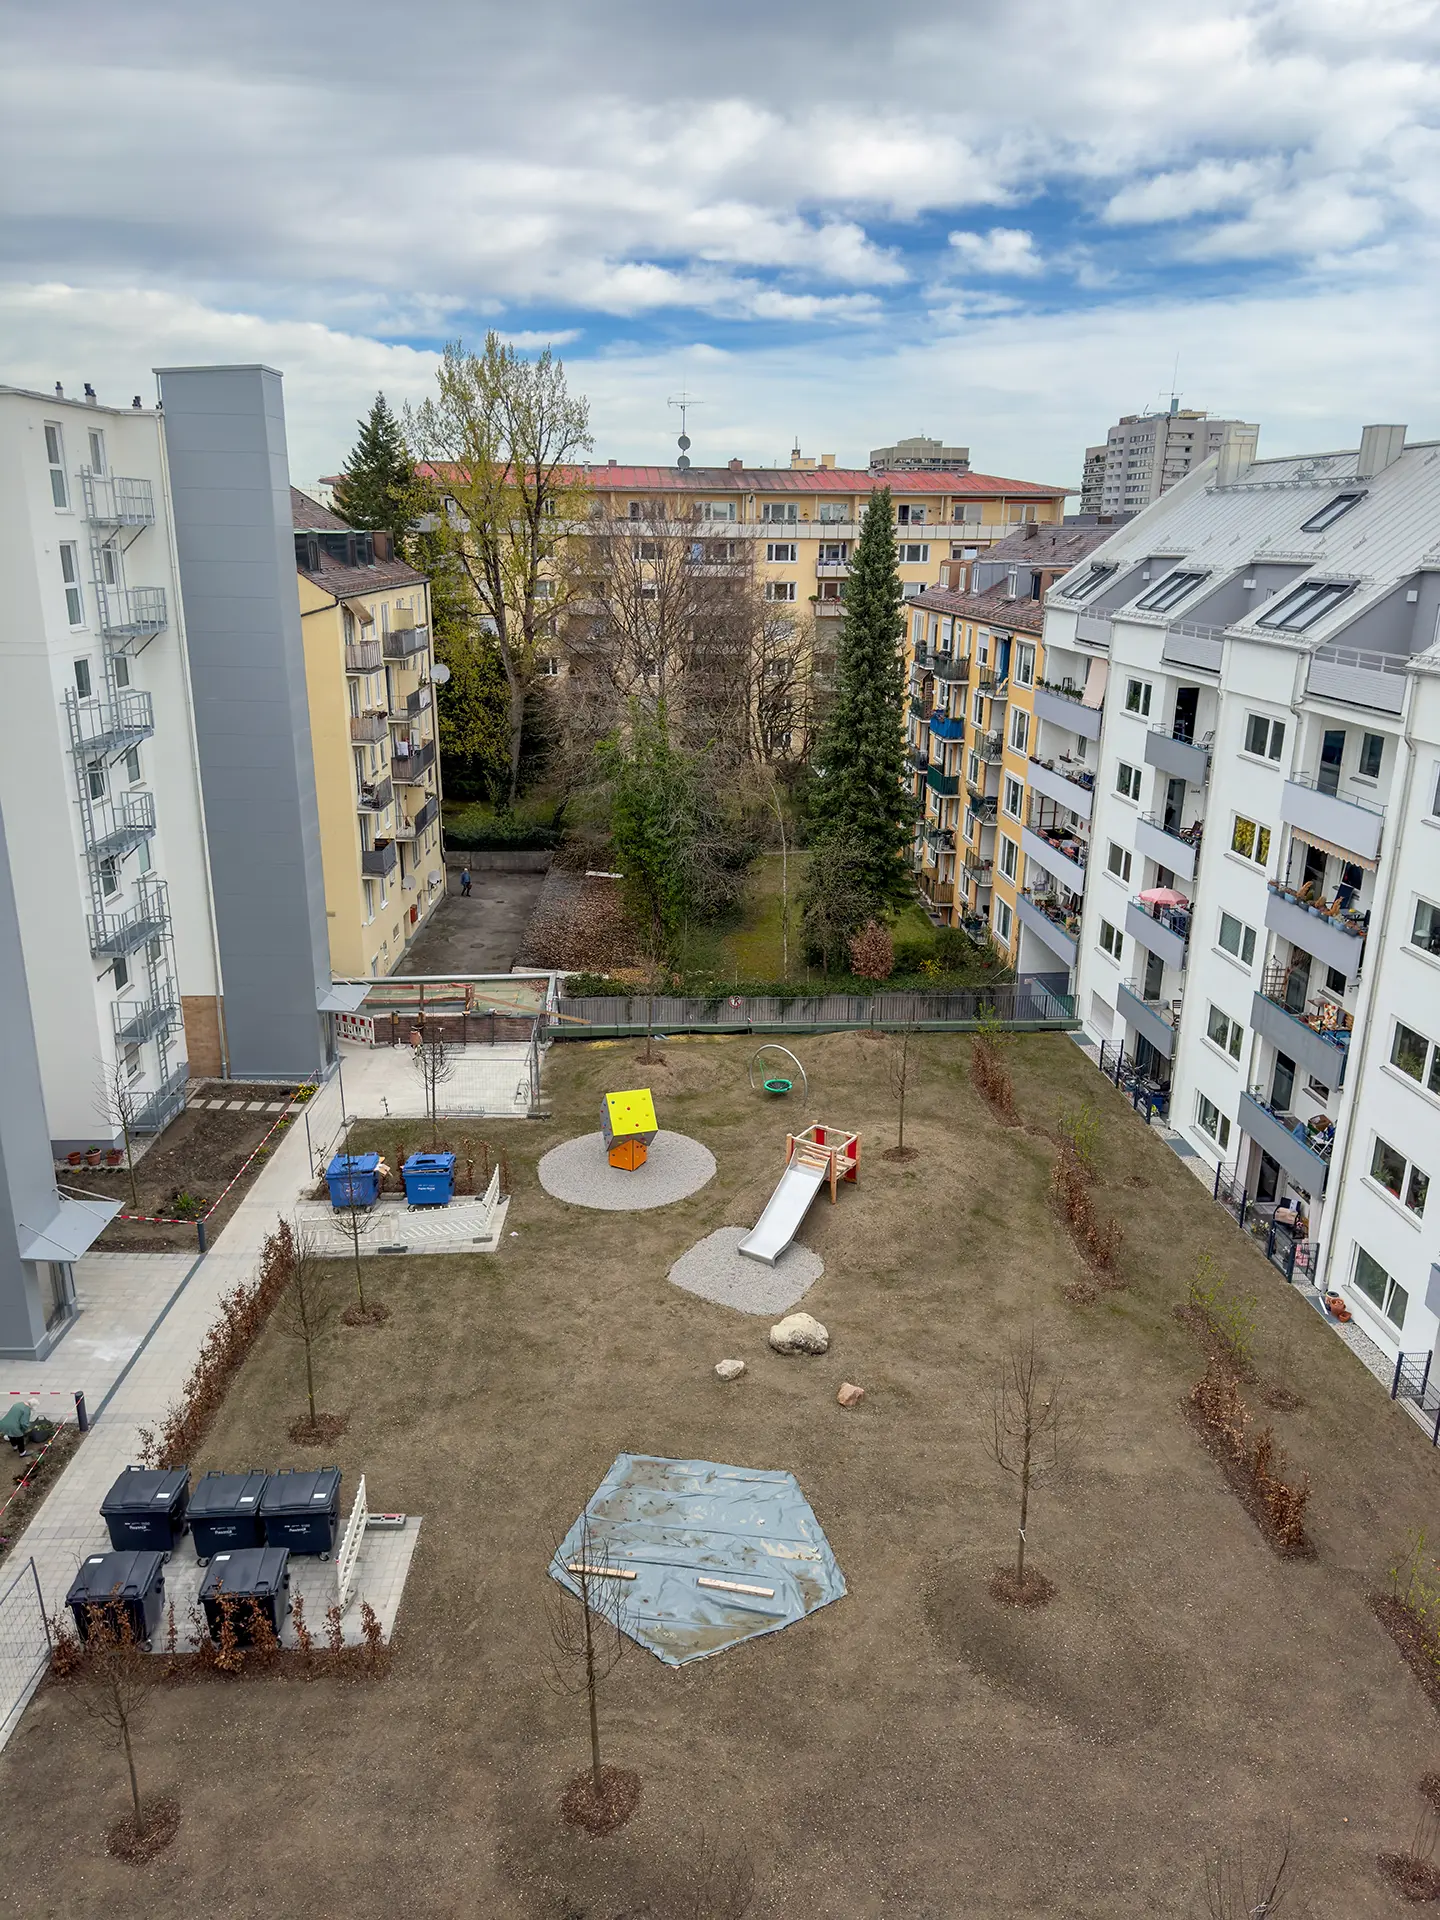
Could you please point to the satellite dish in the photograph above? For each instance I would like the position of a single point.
(683, 462)
(439, 673)
(684, 443)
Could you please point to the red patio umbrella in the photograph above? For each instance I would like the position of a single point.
(1164, 897)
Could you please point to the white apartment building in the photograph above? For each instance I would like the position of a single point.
(99, 786)
(1269, 766)
(1145, 454)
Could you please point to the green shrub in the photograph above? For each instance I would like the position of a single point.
(912, 954)
(953, 949)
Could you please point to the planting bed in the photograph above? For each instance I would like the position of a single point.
(917, 1748)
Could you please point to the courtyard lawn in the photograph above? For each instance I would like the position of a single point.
(913, 1749)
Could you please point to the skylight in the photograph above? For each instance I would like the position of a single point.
(1299, 610)
(1171, 590)
(1091, 583)
(1332, 511)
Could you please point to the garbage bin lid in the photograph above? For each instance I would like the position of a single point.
(300, 1490)
(108, 1576)
(353, 1163)
(246, 1572)
(145, 1490)
(429, 1163)
(226, 1493)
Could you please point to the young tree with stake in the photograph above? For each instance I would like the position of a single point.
(115, 1103)
(587, 1640)
(903, 1064)
(112, 1683)
(1024, 1438)
(435, 1063)
(308, 1305)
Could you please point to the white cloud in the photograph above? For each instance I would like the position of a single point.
(525, 342)
(1002, 251)
(1208, 187)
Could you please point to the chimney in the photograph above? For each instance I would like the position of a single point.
(1236, 453)
(827, 459)
(135, 403)
(90, 398)
(614, 463)
(1032, 529)
(737, 466)
(59, 391)
(1380, 447)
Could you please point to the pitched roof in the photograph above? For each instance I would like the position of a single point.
(308, 516)
(1046, 546)
(995, 609)
(607, 478)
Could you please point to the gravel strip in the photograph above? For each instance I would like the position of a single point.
(716, 1269)
(578, 1171)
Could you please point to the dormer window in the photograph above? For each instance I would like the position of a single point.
(1170, 592)
(1299, 610)
(1332, 511)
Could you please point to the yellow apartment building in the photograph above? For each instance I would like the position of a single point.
(365, 616)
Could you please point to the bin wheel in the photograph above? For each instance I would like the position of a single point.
(148, 1645)
(164, 1557)
(324, 1556)
(202, 1559)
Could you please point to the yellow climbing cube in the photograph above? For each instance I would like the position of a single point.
(629, 1125)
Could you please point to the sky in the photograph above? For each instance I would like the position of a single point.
(1002, 226)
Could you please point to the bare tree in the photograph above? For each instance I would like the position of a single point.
(1254, 1883)
(1024, 1438)
(308, 1304)
(587, 1631)
(355, 1220)
(115, 1103)
(435, 1063)
(903, 1065)
(113, 1679)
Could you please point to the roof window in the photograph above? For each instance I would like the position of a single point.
(1299, 610)
(1091, 583)
(1171, 590)
(1332, 511)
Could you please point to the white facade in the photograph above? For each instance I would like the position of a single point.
(1145, 454)
(98, 785)
(1271, 754)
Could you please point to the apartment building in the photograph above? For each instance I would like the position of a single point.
(919, 455)
(1004, 799)
(368, 664)
(1144, 454)
(1261, 929)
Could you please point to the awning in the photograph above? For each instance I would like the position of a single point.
(1329, 846)
(1095, 678)
(342, 996)
(73, 1231)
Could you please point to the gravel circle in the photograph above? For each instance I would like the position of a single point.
(716, 1269)
(578, 1171)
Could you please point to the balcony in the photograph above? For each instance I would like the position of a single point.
(428, 813)
(1354, 825)
(114, 502)
(131, 613)
(1092, 629)
(410, 769)
(419, 701)
(1189, 644)
(381, 859)
(369, 726)
(1156, 1020)
(995, 687)
(923, 656)
(832, 570)
(1050, 922)
(1182, 758)
(1287, 1141)
(375, 796)
(1063, 865)
(125, 824)
(109, 726)
(1067, 782)
(984, 806)
(140, 1020)
(954, 673)
(1064, 709)
(404, 643)
(941, 783)
(828, 609)
(1360, 677)
(1180, 852)
(990, 746)
(121, 934)
(1314, 1036)
(944, 726)
(1163, 931)
(363, 656)
(1332, 934)
(980, 869)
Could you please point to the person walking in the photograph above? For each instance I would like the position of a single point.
(465, 883)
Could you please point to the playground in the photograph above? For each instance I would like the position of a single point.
(888, 1751)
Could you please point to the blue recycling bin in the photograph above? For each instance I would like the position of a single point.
(354, 1179)
(429, 1179)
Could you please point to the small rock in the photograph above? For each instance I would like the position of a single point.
(799, 1333)
(850, 1395)
(730, 1369)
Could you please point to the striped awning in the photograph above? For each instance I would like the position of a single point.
(1329, 846)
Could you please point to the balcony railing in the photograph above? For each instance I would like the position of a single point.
(1067, 782)
(990, 746)
(1157, 1019)
(1051, 920)
(131, 613)
(1360, 676)
(918, 758)
(955, 673)
(156, 1110)
(1178, 852)
(1174, 754)
(121, 934)
(111, 501)
(1303, 1151)
(409, 769)
(1062, 854)
(946, 726)
(1332, 933)
(375, 797)
(1064, 707)
(112, 723)
(140, 1020)
(1345, 820)
(941, 783)
(418, 701)
(1314, 1033)
(403, 643)
(368, 726)
(1163, 931)
(128, 821)
(380, 859)
(363, 656)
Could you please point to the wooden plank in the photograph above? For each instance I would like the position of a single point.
(736, 1586)
(600, 1573)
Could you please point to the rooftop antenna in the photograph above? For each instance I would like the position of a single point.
(684, 401)
(1174, 386)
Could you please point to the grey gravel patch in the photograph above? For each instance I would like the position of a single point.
(716, 1269)
(578, 1171)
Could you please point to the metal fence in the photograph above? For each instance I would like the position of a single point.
(1023, 1005)
(24, 1644)
(1412, 1381)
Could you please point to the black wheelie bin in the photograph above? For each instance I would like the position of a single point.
(146, 1508)
(225, 1512)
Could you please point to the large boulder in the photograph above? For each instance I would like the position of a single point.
(799, 1333)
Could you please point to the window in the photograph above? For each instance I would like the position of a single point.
(1211, 1121)
(1250, 840)
(1003, 919)
(120, 667)
(833, 553)
(1112, 941)
(55, 454)
(1332, 511)
(977, 712)
(109, 875)
(1171, 590)
(780, 550)
(1227, 1034)
(912, 556)
(1089, 583)
(1426, 932)
(1302, 608)
(1023, 667)
(121, 971)
(132, 766)
(545, 589)
(831, 510)
(142, 856)
(96, 780)
(1118, 861)
(97, 450)
(134, 1067)
(717, 510)
(779, 589)
(70, 574)
(1265, 738)
(635, 513)
(1014, 797)
(1127, 780)
(549, 667)
(1372, 752)
(1009, 857)
(969, 515)
(1375, 1283)
(1409, 1051)
(1137, 697)
(369, 901)
(82, 679)
(775, 511)
(1237, 938)
(1019, 729)
(1389, 1168)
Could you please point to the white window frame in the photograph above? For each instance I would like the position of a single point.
(1409, 1173)
(55, 461)
(1260, 858)
(1019, 730)
(1138, 695)
(1003, 920)
(1231, 1038)
(96, 441)
(74, 591)
(1388, 1292)
(1122, 868)
(1111, 941)
(1022, 671)
(781, 552)
(780, 590)
(1127, 781)
(1009, 857)
(1206, 1111)
(1014, 790)
(1274, 738)
(1247, 938)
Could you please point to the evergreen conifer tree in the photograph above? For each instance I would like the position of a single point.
(857, 799)
(377, 487)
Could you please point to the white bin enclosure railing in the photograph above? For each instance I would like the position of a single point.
(349, 1554)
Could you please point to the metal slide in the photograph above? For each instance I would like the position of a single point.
(787, 1206)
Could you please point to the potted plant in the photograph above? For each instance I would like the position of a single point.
(76, 1158)
(93, 1156)
(114, 1156)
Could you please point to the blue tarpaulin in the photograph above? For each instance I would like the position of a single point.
(675, 1522)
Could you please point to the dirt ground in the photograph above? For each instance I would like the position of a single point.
(911, 1750)
(198, 1154)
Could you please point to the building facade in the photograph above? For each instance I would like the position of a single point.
(919, 455)
(1261, 932)
(368, 672)
(1144, 454)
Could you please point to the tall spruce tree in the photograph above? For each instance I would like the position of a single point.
(377, 488)
(857, 800)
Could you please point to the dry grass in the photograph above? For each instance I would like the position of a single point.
(888, 1755)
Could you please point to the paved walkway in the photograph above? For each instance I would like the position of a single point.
(484, 1080)
(68, 1525)
(120, 1297)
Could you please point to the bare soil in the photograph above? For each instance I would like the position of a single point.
(125, 1841)
(32, 1476)
(916, 1749)
(319, 1432)
(602, 1812)
(1414, 1880)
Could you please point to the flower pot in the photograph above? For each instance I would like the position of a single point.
(76, 1159)
(93, 1156)
(115, 1157)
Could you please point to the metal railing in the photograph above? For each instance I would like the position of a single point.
(122, 934)
(430, 811)
(111, 722)
(156, 1110)
(363, 656)
(1071, 770)
(380, 860)
(375, 796)
(1190, 836)
(1411, 1381)
(111, 501)
(139, 1020)
(121, 824)
(410, 768)
(127, 613)
(1175, 920)
(1312, 781)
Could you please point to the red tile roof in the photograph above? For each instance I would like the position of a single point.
(846, 480)
(994, 609)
